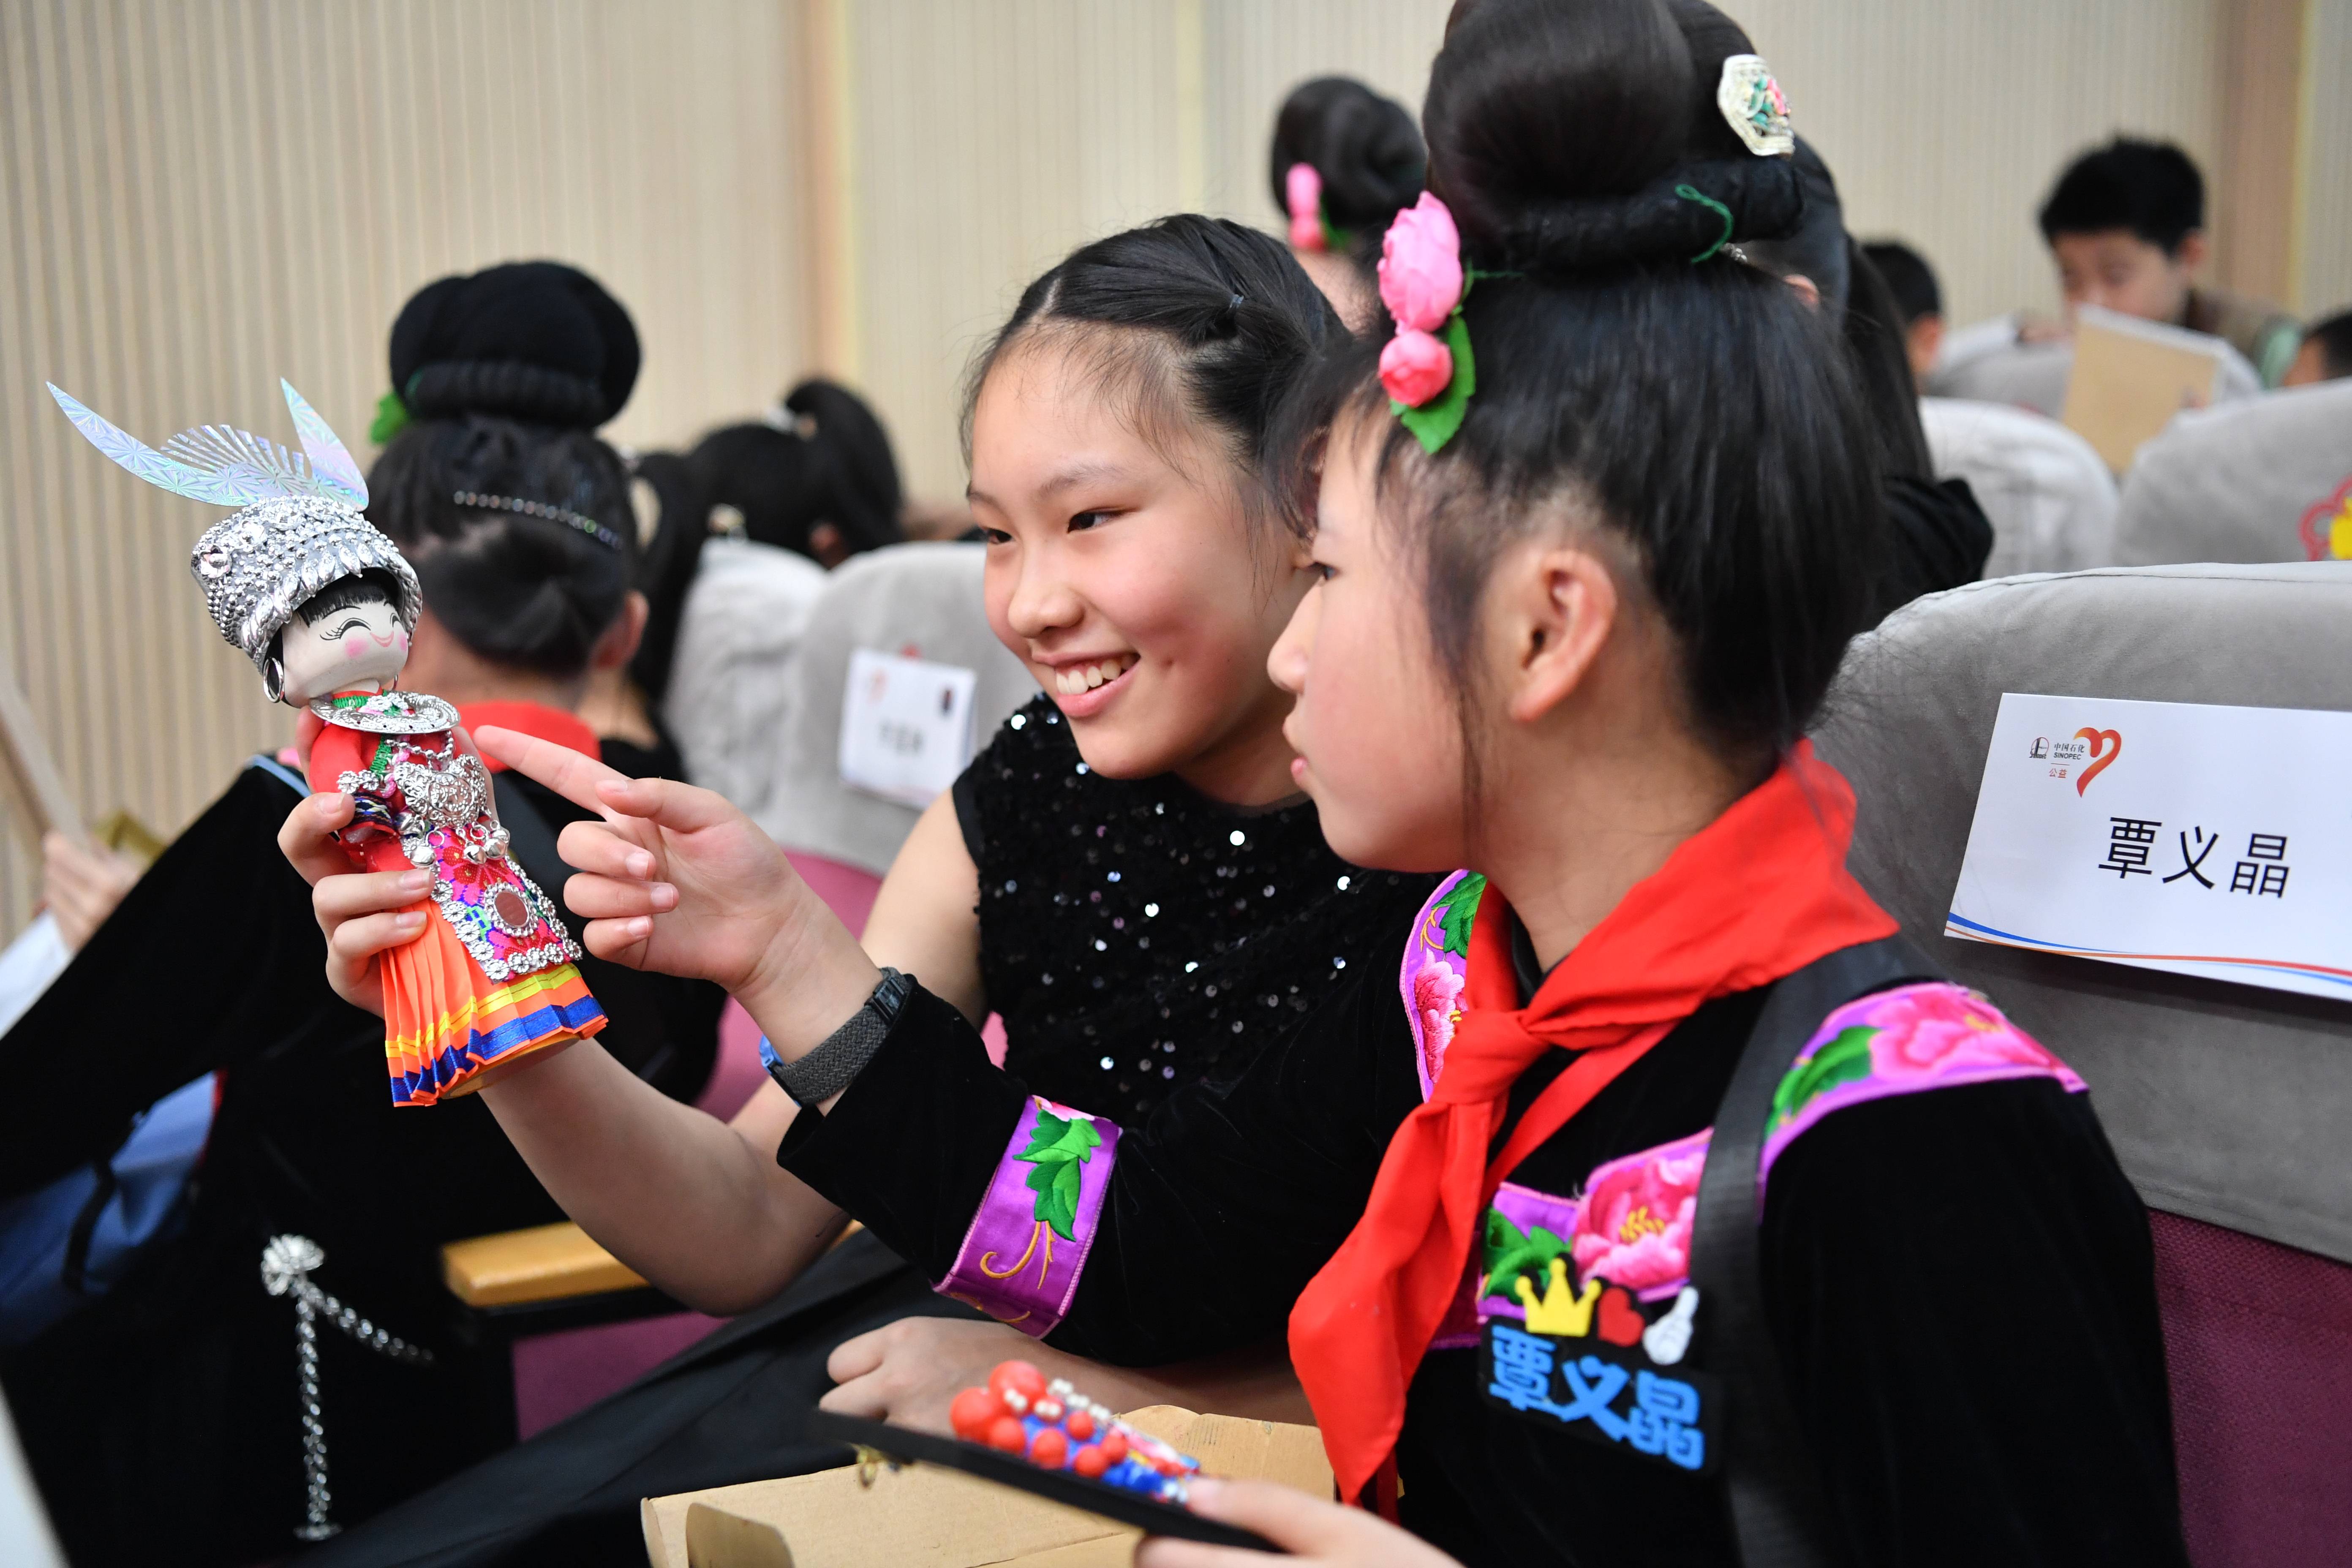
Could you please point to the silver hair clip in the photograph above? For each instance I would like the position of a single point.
(585, 524)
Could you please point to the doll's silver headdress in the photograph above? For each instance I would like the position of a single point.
(298, 527)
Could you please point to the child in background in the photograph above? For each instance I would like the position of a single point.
(163, 1419)
(1345, 162)
(1912, 283)
(798, 497)
(2325, 355)
(2125, 224)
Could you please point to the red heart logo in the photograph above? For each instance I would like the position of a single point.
(2107, 745)
(1621, 1324)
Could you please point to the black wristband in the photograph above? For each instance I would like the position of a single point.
(827, 1070)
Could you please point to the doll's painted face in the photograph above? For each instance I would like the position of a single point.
(346, 637)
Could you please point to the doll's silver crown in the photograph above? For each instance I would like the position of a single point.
(298, 527)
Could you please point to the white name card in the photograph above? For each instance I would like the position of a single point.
(2206, 840)
(906, 726)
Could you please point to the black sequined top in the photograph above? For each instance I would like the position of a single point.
(1135, 935)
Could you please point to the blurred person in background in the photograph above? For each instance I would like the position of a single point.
(161, 1418)
(2325, 354)
(1918, 300)
(1344, 162)
(81, 881)
(752, 520)
(2125, 224)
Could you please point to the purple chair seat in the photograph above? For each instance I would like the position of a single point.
(2259, 1342)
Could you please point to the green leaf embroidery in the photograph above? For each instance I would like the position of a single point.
(1510, 1251)
(1058, 1147)
(1843, 1060)
(1458, 910)
(1434, 421)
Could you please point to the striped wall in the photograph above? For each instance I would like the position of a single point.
(201, 195)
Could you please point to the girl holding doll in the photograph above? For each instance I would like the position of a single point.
(1128, 874)
(1670, 1210)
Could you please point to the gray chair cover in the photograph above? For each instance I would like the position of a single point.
(730, 687)
(2033, 376)
(2226, 1103)
(918, 599)
(2022, 375)
(2051, 499)
(2257, 481)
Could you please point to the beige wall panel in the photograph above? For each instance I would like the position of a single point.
(2323, 251)
(200, 196)
(989, 138)
(1945, 120)
(1256, 52)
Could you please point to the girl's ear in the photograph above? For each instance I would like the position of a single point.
(1556, 606)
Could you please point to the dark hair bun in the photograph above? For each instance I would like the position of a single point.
(535, 341)
(532, 592)
(1365, 147)
(1564, 136)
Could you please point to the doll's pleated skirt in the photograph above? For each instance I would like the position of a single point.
(446, 1024)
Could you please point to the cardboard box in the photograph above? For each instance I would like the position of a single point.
(921, 1516)
(2130, 377)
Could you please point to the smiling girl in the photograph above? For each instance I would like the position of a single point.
(1128, 874)
(1669, 1211)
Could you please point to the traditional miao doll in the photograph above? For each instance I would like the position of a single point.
(323, 605)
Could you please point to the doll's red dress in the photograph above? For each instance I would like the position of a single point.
(492, 978)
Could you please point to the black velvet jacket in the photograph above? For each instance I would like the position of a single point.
(1959, 1284)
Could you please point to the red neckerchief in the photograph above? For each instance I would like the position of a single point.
(1759, 893)
(533, 719)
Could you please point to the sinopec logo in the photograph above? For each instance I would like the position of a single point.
(2082, 757)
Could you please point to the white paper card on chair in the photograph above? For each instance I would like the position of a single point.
(2203, 839)
(906, 726)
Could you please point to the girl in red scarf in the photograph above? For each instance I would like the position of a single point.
(1591, 537)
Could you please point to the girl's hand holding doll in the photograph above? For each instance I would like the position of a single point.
(677, 879)
(674, 878)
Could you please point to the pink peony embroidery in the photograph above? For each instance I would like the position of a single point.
(1415, 367)
(1634, 1227)
(1927, 1030)
(1302, 190)
(1420, 267)
(1436, 1004)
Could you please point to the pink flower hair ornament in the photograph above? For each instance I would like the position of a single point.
(1310, 230)
(1426, 369)
(1302, 190)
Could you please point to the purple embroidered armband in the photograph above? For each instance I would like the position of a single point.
(1020, 1260)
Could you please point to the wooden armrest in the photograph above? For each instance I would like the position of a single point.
(544, 1263)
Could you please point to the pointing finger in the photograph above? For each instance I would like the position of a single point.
(566, 771)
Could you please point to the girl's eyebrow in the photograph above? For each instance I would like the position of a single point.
(1084, 471)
